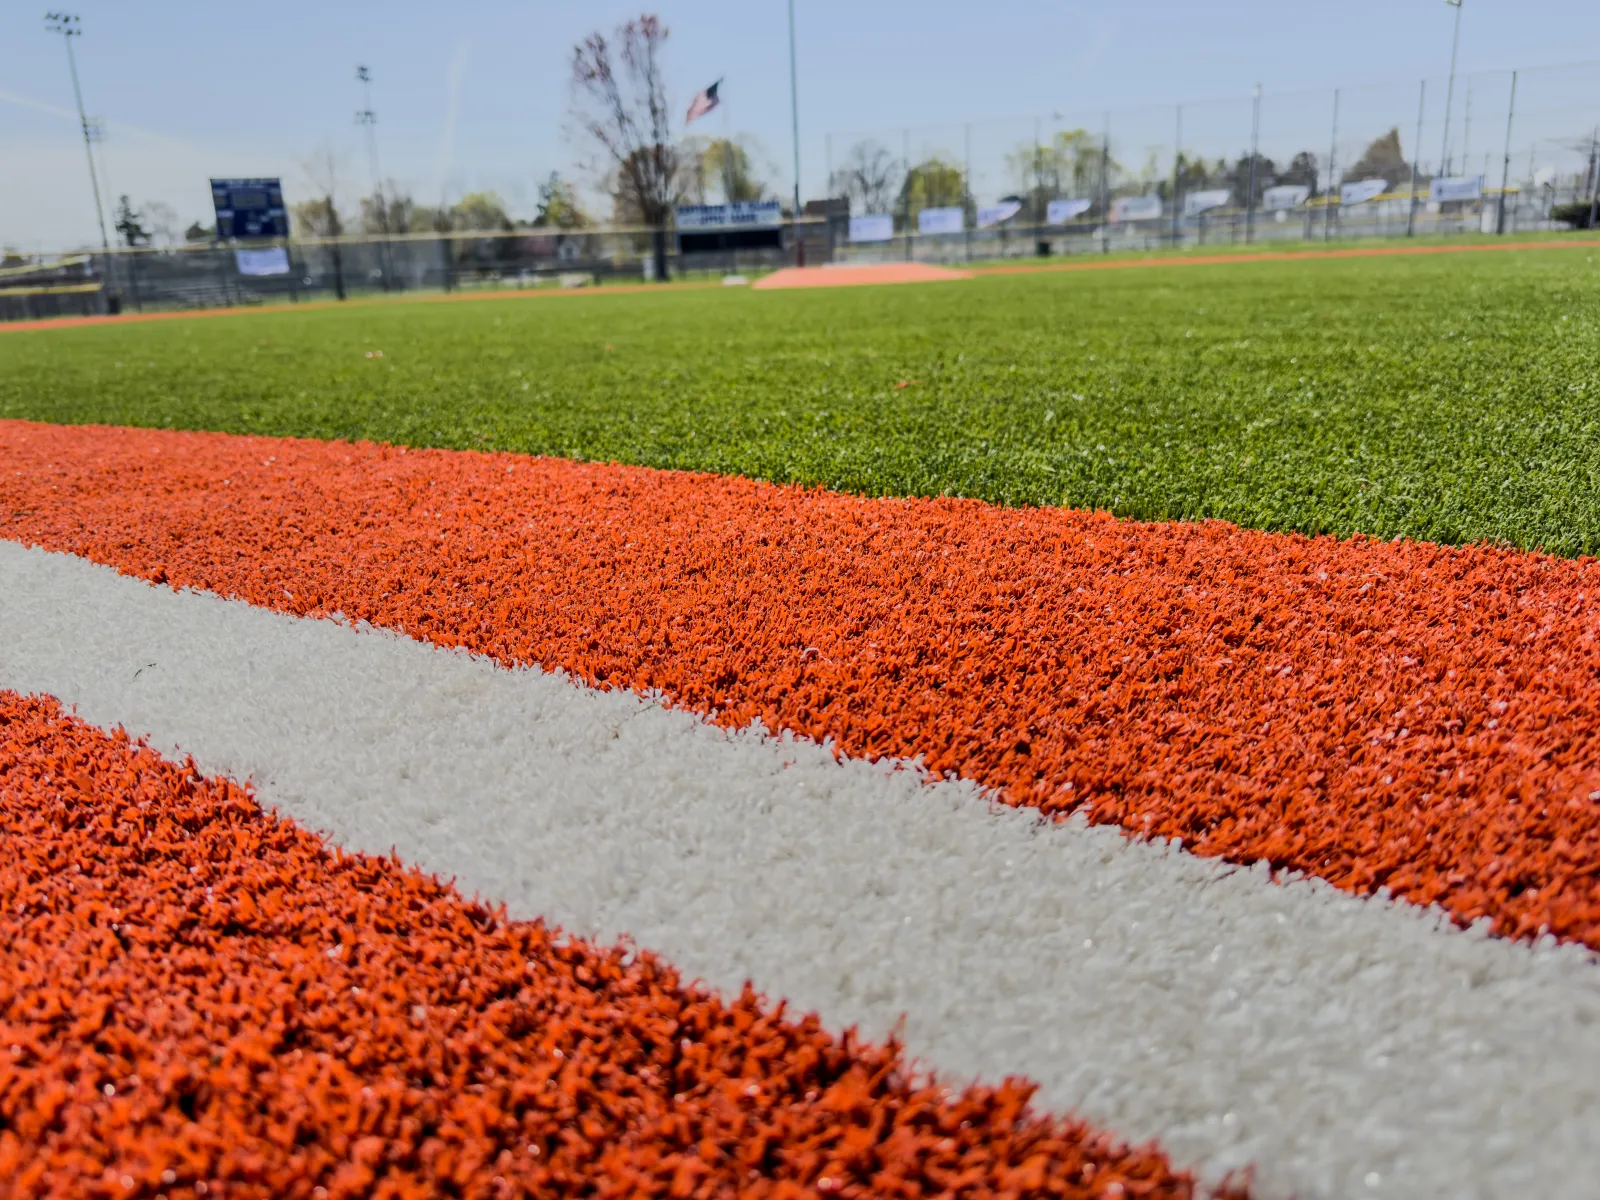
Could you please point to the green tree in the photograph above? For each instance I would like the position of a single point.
(933, 183)
(558, 205)
(130, 224)
(727, 167)
(1383, 160)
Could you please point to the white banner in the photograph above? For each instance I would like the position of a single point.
(271, 261)
(1285, 195)
(746, 214)
(994, 214)
(872, 227)
(1061, 211)
(941, 220)
(1136, 208)
(1196, 203)
(1456, 187)
(1362, 191)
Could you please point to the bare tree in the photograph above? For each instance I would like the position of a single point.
(619, 104)
(162, 221)
(870, 177)
(321, 216)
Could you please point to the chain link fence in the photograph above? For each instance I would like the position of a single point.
(1351, 162)
(1532, 135)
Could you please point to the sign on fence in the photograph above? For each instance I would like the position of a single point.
(996, 214)
(272, 261)
(1285, 195)
(1196, 203)
(743, 214)
(872, 227)
(249, 208)
(941, 220)
(1060, 212)
(1456, 187)
(1362, 191)
(1136, 208)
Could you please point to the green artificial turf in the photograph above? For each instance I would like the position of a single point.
(1452, 397)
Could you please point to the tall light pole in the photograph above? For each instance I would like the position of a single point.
(369, 119)
(69, 27)
(1450, 90)
(794, 112)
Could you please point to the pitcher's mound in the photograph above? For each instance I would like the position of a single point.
(855, 276)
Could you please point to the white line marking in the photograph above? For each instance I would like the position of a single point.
(1348, 1047)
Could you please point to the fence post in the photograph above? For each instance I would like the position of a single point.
(1255, 146)
(1416, 155)
(1505, 169)
(1333, 183)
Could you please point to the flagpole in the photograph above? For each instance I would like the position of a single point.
(794, 110)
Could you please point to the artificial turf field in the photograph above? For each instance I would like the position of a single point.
(1451, 398)
(1272, 857)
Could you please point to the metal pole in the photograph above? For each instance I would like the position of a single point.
(1105, 188)
(368, 118)
(1466, 132)
(69, 27)
(1416, 154)
(1255, 146)
(966, 169)
(794, 113)
(1505, 173)
(905, 157)
(1594, 176)
(1177, 184)
(1333, 155)
(1450, 90)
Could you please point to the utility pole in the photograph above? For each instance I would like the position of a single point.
(1505, 171)
(69, 27)
(1416, 155)
(369, 119)
(1255, 146)
(1105, 187)
(1450, 90)
(1177, 182)
(1332, 197)
(1594, 176)
(794, 113)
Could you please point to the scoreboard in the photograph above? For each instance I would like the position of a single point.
(249, 208)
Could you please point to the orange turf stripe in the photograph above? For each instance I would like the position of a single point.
(1400, 715)
(199, 998)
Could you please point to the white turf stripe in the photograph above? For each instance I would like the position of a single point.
(1348, 1047)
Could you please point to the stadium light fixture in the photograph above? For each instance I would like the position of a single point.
(69, 26)
(1450, 90)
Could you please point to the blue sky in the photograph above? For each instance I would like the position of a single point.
(189, 90)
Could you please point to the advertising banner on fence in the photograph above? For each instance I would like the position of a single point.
(1362, 191)
(994, 214)
(941, 220)
(1061, 211)
(872, 227)
(1136, 208)
(1285, 195)
(1196, 203)
(1456, 187)
(745, 214)
(272, 261)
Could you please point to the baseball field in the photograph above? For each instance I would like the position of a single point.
(1104, 733)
